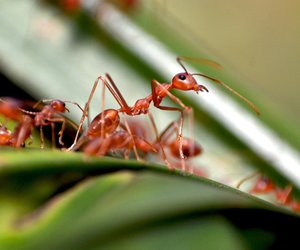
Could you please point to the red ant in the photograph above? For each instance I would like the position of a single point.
(115, 141)
(183, 81)
(11, 108)
(165, 142)
(190, 148)
(49, 115)
(264, 185)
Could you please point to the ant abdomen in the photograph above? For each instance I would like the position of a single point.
(189, 148)
(103, 123)
(10, 108)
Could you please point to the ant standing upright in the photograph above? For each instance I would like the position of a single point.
(184, 81)
(49, 115)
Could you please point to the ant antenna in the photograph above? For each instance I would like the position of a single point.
(246, 179)
(211, 63)
(179, 60)
(232, 91)
(50, 100)
(216, 66)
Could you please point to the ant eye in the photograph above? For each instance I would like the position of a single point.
(182, 77)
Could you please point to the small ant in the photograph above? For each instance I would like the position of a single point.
(190, 147)
(169, 147)
(49, 115)
(264, 185)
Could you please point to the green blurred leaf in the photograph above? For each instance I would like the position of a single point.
(140, 203)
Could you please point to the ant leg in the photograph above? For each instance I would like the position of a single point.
(23, 131)
(167, 132)
(75, 103)
(84, 115)
(158, 140)
(180, 127)
(88, 116)
(117, 95)
(42, 137)
(172, 97)
(80, 142)
(60, 133)
(239, 184)
(284, 195)
(113, 90)
(52, 134)
(104, 147)
(179, 135)
(102, 109)
(63, 125)
(191, 135)
(133, 142)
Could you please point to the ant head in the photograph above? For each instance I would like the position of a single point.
(185, 81)
(58, 106)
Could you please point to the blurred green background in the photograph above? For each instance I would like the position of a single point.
(256, 42)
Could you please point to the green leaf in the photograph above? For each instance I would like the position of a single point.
(138, 207)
